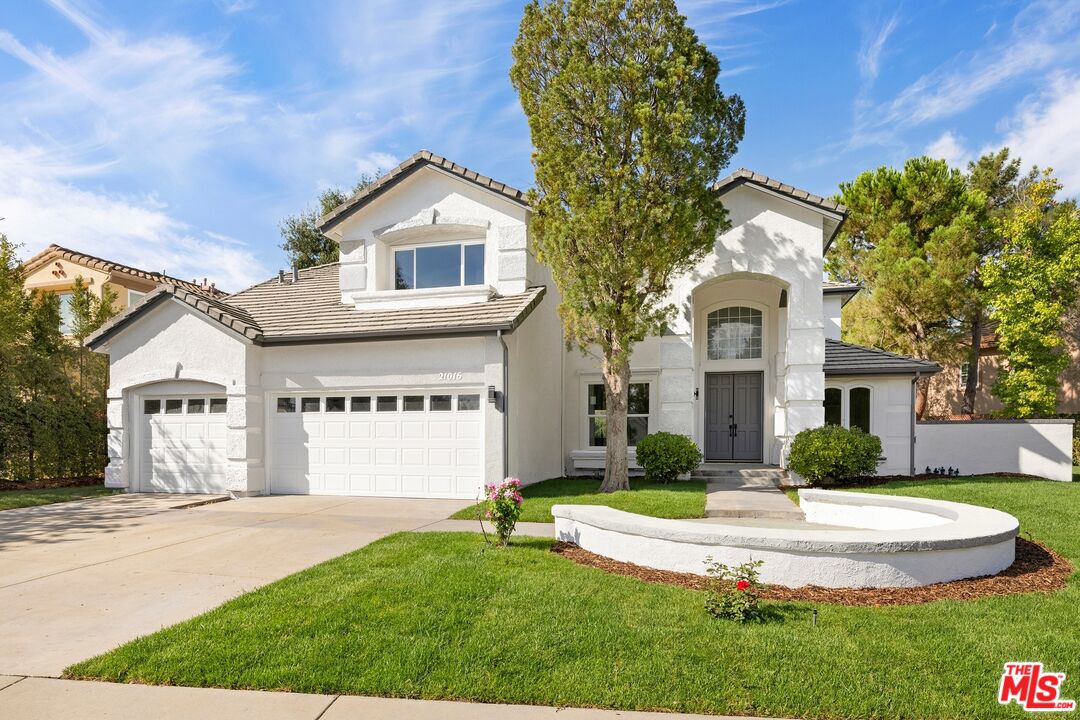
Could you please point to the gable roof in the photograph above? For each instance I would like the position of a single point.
(843, 358)
(848, 290)
(423, 158)
(743, 176)
(310, 310)
(54, 252)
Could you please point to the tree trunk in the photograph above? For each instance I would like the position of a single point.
(972, 385)
(616, 394)
(921, 388)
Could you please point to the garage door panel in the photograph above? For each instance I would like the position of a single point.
(180, 450)
(431, 448)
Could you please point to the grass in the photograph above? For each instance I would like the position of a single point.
(677, 500)
(12, 499)
(441, 616)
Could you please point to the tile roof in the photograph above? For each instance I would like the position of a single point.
(742, 175)
(53, 252)
(415, 162)
(310, 310)
(843, 358)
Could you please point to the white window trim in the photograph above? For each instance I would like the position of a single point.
(845, 402)
(394, 250)
(962, 379)
(594, 379)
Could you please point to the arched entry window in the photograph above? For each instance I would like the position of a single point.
(734, 333)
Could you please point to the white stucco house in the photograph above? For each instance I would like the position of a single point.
(430, 358)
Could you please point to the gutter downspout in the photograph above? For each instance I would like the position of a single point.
(914, 382)
(505, 413)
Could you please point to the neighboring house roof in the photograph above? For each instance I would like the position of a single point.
(423, 158)
(843, 358)
(55, 252)
(848, 290)
(989, 339)
(310, 310)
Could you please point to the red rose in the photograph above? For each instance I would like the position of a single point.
(743, 585)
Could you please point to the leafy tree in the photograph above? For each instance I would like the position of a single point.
(910, 240)
(302, 242)
(1000, 182)
(1031, 286)
(630, 131)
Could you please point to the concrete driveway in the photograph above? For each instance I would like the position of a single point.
(80, 578)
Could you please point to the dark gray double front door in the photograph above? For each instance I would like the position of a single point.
(733, 416)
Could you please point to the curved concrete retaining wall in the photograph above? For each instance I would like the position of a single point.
(885, 541)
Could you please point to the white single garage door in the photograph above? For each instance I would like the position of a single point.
(405, 444)
(182, 443)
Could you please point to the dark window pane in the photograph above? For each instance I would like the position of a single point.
(638, 399)
(597, 400)
(468, 402)
(598, 431)
(286, 404)
(196, 406)
(833, 399)
(218, 405)
(414, 403)
(474, 264)
(636, 428)
(174, 407)
(360, 404)
(438, 266)
(386, 403)
(335, 404)
(859, 408)
(403, 270)
(151, 407)
(440, 403)
(310, 404)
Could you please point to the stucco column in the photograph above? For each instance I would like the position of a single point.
(245, 472)
(676, 395)
(493, 412)
(116, 472)
(511, 258)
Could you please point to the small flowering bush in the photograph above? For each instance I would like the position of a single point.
(733, 591)
(503, 507)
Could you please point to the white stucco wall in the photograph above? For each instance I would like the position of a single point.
(890, 415)
(172, 343)
(431, 206)
(831, 307)
(1032, 447)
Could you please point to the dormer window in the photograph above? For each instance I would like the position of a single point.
(438, 266)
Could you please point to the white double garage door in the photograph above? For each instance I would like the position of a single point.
(401, 444)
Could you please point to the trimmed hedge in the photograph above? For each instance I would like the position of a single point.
(834, 454)
(665, 456)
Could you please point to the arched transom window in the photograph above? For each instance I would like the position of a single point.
(734, 333)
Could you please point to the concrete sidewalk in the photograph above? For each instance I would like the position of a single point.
(748, 497)
(52, 699)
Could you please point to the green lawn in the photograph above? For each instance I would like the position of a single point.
(440, 616)
(676, 500)
(11, 499)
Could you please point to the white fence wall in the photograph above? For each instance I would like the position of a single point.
(1032, 447)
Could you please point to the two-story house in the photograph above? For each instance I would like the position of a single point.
(55, 269)
(430, 358)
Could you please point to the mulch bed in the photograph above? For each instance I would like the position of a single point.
(1037, 569)
(52, 484)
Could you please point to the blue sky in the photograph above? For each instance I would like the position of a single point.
(175, 135)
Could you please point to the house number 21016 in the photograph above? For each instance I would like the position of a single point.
(449, 376)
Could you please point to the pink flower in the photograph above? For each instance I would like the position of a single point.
(743, 585)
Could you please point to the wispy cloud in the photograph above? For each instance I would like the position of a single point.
(873, 44)
(1044, 131)
(951, 148)
(1041, 36)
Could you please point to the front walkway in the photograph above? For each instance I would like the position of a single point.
(37, 698)
(747, 492)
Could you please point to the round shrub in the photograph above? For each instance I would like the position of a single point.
(665, 456)
(834, 454)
